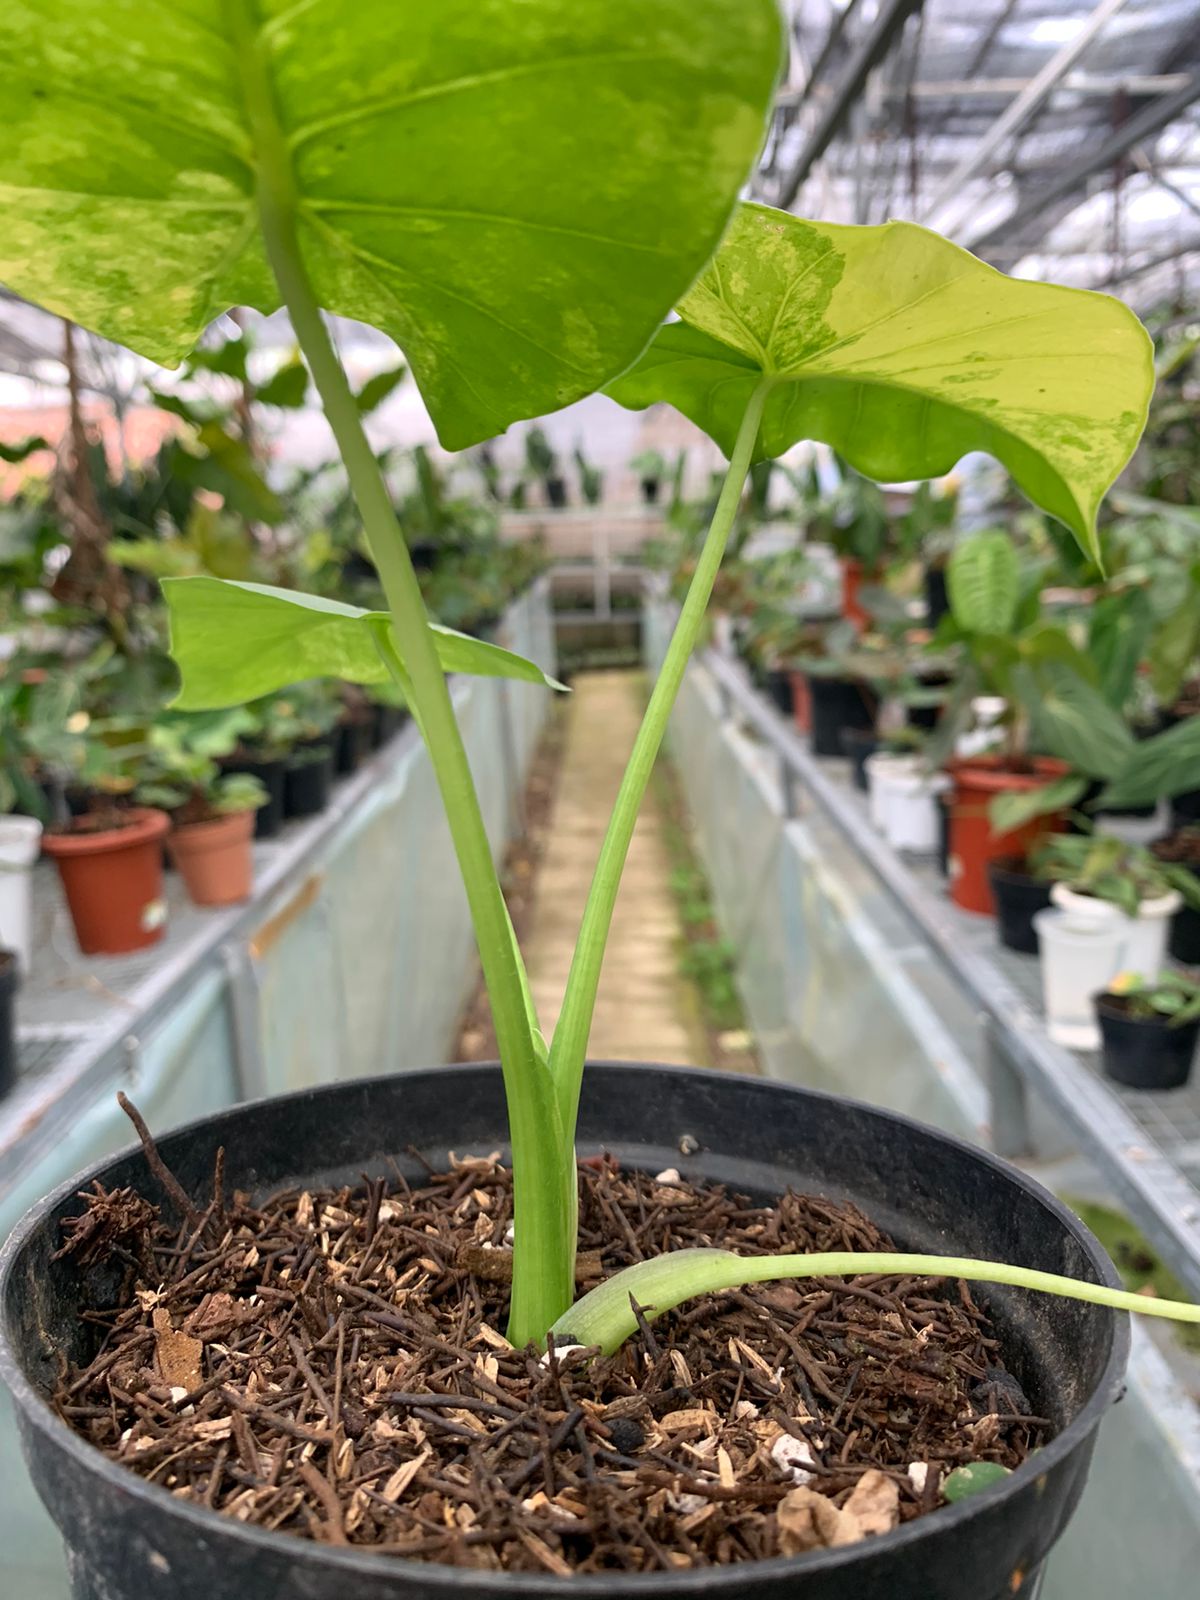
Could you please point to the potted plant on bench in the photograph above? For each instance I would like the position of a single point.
(336, 1293)
(1149, 1027)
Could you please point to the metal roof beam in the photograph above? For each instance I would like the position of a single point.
(1149, 120)
(869, 51)
(1023, 107)
(1083, 83)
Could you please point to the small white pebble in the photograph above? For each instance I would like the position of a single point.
(561, 1350)
(794, 1457)
(918, 1475)
(687, 1504)
(177, 1392)
(668, 1175)
(510, 1233)
(388, 1212)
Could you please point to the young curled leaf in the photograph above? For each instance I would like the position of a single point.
(234, 642)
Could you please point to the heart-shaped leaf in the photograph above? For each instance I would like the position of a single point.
(904, 352)
(516, 192)
(234, 642)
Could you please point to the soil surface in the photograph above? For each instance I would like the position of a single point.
(1183, 846)
(332, 1364)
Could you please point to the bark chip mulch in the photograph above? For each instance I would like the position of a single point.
(332, 1364)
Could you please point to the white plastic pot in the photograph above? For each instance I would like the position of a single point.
(883, 761)
(1080, 955)
(904, 804)
(20, 840)
(1144, 936)
(1135, 830)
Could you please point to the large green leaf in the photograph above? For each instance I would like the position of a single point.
(983, 580)
(1168, 764)
(234, 642)
(904, 353)
(515, 190)
(1073, 720)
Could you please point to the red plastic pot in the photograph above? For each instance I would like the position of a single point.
(854, 574)
(973, 840)
(801, 701)
(113, 879)
(215, 859)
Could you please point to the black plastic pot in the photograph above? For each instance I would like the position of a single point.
(928, 717)
(1018, 898)
(1144, 1053)
(777, 685)
(132, 1540)
(1093, 792)
(308, 780)
(386, 722)
(1185, 808)
(556, 492)
(1183, 941)
(268, 819)
(937, 597)
(650, 490)
(859, 744)
(352, 744)
(944, 802)
(8, 1021)
(838, 704)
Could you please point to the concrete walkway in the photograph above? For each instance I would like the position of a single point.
(646, 1010)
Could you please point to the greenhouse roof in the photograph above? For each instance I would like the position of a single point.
(1055, 141)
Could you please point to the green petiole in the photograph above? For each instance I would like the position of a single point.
(605, 1315)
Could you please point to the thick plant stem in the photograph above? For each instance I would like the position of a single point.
(569, 1049)
(542, 1153)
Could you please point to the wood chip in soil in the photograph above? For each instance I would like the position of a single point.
(331, 1364)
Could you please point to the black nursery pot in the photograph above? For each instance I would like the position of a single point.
(859, 744)
(1144, 1053)
(386, 723)
(777, 686)
(8, 1021)
(268, 819)
(308, 780)
(650, 490)
(556, 492)
(1018, 898)
(352, 744)
(128, 1539)
(937, 596)
(838, 704)
(1184, 938)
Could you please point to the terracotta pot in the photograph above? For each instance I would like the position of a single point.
(215, 859)
(801, 701)
(114, 882)
(973, 841)
(854, 574)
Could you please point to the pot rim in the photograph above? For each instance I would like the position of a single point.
(1116, 1013)
(148, 824)
(20, 841)
(200, 832)
(1162, 905)
(439, 1577)
(991, 773)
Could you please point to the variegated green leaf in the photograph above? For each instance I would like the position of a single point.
(515, 190)
(904, 352)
